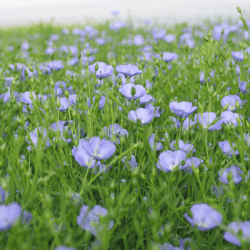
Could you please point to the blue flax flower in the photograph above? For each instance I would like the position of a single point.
(64, 248)
(231, 100)
(144, 115)
(169, 160)
(226, 148)
(103, 70)
(169, 56)
(186, 147)
(128, 70)
(204, 217)
(126, 91)
(182, 109)
(236, 173)
(235, 227)
(9, 214)
(189, 162)
(237, 55)
(206, 119)
(89, 219)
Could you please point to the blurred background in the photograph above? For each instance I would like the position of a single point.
(23, 12)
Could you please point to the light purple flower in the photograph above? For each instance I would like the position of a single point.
(116, 26)
(100, 149)
(144, 115)
(202, 77)
(126, 91)
(101, 102)
(132, 162)
(190, 162)
(2, 195)
(89, 219)
(235, 227)
(115, 130)
(115, 12)
(138, 40)
(208, 118)
(128, 70)
(204, 217)
(226, 148)
(228, 117)
(237, 55)
(217, 192)
(169, 38)
(169, 160)
(231, 99)
(169, 56)
(188, 123)
(9, 214)
(155, 110)
(182, 109)
(176, 122)
(236, 171)
(64, 248)
(153, 144)
(103, 70)
(145, 99)
(186, 147)
(34, 137)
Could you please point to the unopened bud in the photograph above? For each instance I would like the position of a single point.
(58, 103)
(133, 91)
(79, 55)
(87, 53)
(238, 9)
(66, 94)
(96, 67)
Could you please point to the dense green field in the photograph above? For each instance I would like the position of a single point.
(122, 137)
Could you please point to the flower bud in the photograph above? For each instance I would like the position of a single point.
(79, 55)
(58, 103)
(238, 9)
(133, 91)
(230, 64)
(66, 94)
(113, 63)
(96, 67)
(87, 53)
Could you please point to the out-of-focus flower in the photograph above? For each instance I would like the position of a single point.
(169, 160)
(89, 219)
(237, 55)
(9, 214)
(169, 38)
(169, 56)
(115, 12)
(204, 217)
(182, 109)
(101, 102)
(138, 40)
(64, 248)
(236, 227)
(116, 26)
(128, 70)
(2, 195)
(188, 123)
(234, 170)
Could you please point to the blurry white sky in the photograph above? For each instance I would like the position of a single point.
(17, 12)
